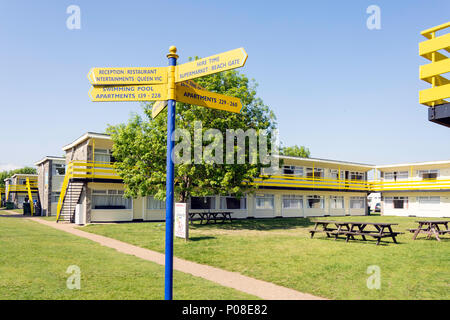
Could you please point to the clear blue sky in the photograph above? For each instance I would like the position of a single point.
(344, 91)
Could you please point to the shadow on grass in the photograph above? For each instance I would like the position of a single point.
(383, 243)
(258, 224)
(201, 238)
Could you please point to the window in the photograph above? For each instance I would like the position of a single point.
(357, 202)
(22, 181)
(110, 199)
(315, 202)
(429, 174)
(396, 202)
(356, 175)
(55, 197)
(293, 170)
(155, 204)
(292, 201)
(429, 203)
(318, 172)
(233, 203)
(396, 175)
(337, 202)
(264, 201)
(59, 169)
(334, 174)
(203, 202)
(102, 155)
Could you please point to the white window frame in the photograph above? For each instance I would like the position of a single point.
(353, 199)
(298, 171)
(269, 197)
(292, 198)
(243, 202)
(112, 192)
(315, 197)
(334, 202)
(389, 202)
(155, 204)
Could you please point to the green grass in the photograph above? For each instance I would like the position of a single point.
(34, 259)
(281, 251)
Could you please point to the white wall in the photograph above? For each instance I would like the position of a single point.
(414, 208)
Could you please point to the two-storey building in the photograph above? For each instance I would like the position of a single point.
(414, 189)
(305, 187)
(19, 187)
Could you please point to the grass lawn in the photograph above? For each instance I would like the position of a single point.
(281, 251)
(34, 259)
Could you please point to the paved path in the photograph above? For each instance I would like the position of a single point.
(259, 288)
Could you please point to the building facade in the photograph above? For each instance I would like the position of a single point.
(51, 172)
(17, 190)
(304, 188)
(414, 189)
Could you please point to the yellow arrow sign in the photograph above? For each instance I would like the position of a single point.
(128, 93)
(123, 76)
(160, 105)
(207, 99)
(220, 62)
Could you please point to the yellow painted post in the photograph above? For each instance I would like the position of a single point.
(339, 177)
(30, 196)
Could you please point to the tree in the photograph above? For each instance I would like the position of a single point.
(296, 151)
(10, 173)
(140, 145)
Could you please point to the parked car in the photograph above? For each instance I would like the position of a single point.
(378, 207)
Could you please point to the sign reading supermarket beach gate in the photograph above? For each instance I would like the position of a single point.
(122, 76)
(128, 93)
(220, 62)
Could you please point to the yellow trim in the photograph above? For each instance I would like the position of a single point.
(30, 197)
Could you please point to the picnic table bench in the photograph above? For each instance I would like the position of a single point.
(209, 216)
(431, 228)
(352, 229)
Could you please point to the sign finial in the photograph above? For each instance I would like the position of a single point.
(173, 52)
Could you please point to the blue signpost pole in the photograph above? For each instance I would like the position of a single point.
(168, 285)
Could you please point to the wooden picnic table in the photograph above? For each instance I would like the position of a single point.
(209, 216)
(431, 228)
(350, 229)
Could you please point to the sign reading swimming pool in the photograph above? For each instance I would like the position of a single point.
(123, 76)
(128, 93)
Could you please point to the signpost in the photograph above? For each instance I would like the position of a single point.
(166, 86)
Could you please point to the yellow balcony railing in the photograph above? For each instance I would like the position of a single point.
(434, 49)
(311, 182)
(424, 184)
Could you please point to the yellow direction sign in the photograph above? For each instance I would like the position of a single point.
(207, 99)
(122, 76)
(128, 93)
(220, 62)
(160, 105)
